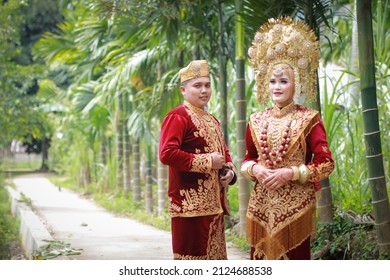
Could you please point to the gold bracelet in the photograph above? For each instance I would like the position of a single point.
(246, 170)
(295, 173)
(250, 170)
(303, 173)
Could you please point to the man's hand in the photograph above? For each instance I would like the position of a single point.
(227, 178)
(217, 160)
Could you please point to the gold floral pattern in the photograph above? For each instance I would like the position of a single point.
(201, 163)
(216, 247)
(205, 198)
(273, 214)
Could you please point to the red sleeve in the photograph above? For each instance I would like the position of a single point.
(319, 161)
(173, 131)
(251, 151)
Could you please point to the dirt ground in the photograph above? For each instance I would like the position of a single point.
(16, 251)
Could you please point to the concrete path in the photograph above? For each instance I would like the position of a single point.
(65, 216)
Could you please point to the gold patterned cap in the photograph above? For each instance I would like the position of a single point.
(196, 69)
(288, 41)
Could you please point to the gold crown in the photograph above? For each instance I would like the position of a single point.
(284, 40)
(196, 69)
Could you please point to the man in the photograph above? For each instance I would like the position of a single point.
(200, 169)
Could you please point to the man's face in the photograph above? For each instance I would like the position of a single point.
(197, 91)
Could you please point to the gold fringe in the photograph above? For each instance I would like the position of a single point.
(276, 245)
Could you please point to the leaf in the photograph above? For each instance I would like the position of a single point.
(53, 249)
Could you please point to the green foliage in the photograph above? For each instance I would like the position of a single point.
(104, 49)
(20, 163)
(9, 226)
(22, 23)
(232, 199)
(347, 239)
(238, 240)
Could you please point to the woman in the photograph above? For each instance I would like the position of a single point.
(287, 154)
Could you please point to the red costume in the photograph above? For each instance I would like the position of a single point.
(197, 202)
(280, 222)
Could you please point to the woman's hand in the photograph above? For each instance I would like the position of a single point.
(260, 172)
(277, 178)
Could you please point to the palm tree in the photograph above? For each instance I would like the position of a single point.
(126, 148)
(119, 127)
(243, 183)
(374, 157)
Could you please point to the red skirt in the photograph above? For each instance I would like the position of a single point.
(199, 238)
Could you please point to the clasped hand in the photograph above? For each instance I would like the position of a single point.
(272, 179)
(217, 162)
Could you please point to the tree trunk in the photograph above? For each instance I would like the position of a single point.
(149, 182)
(126, 150)
(103, 147)
(45, 154)
(374, 158)
(325, 202)
(136, 172)
(126, 162)
(162, 190)
(243, 184)
(223, 73)
(119, 143)
(354, 62)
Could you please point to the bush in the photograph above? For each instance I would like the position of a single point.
(348, 237)
(9, 229)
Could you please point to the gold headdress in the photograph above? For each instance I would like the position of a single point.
(284, 40)
(196, 69)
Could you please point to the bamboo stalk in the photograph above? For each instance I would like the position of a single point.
(372, 138)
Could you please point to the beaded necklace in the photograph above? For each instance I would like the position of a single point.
(273, 157)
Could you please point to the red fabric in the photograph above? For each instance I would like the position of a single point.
(197, 201)
(279, 222)
(192, 238)
(180, 142)
(317, 151)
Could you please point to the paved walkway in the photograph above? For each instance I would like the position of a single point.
(71, 218)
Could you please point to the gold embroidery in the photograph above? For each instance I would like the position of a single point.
(201, 163)
(188, 257)
(205, 198)
(174, 208)
(321, 171)
(272, 215)
(275, 209)
(216, 246)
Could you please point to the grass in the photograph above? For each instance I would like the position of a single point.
(21, 163)
(9, 225)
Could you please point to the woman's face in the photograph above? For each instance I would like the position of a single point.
(281, 85)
